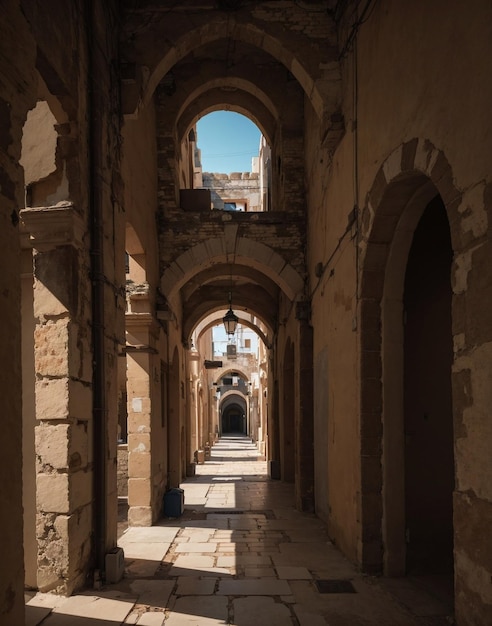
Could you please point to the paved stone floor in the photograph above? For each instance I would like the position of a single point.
(241, 555)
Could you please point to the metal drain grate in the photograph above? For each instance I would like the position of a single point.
(335, 586)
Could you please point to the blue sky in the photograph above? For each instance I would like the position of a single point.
(228, 141)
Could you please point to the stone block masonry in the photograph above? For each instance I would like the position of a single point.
(242, 189)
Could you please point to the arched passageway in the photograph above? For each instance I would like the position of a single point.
(344, 273)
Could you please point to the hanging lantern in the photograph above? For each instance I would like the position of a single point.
(230, 321)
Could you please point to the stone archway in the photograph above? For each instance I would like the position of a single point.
(293, 49)
(243, 250)
(234, 403)
(409, 180)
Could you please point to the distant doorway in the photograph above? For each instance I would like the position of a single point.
(428, 420)
(233, 420)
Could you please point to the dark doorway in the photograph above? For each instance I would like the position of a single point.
(428, 350)
(233, 420)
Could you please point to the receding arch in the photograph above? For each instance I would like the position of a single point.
(233, 409)
(240, 251)
(250, 298)
(238, 102)
(295, 58)
(232, 370)
(231, 93)
(242, 76)
(228, 274)
(244, 319)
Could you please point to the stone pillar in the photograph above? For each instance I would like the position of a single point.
(11, 520)
(195, 408)
(305, 412)
(14, 105)
(273, 412)
(141, 339)
(63, 366)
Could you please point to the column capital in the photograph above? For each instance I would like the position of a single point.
(142, 329)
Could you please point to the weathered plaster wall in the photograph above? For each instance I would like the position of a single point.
(331, 258)
(391, 81)
(404, 93)
(39, 143)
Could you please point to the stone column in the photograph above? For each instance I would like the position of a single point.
(273, 418)
(305, 412)
(11, 461)
(195, 407)
(63, 366)
(141, 339)
(15, 102)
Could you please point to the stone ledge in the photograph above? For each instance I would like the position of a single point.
(45, 228)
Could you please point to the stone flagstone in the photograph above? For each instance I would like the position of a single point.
(245, 557)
